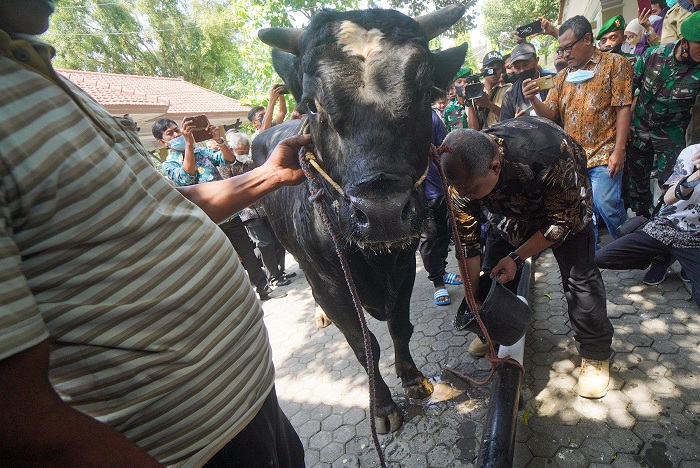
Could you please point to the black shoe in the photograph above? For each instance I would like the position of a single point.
(282, 281)
(288, 275)
(272, 295)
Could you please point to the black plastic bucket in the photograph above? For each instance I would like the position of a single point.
(505, 316)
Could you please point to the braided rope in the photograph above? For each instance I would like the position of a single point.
(317, 194)
(491, 355)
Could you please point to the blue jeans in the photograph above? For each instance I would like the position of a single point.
(607, 200)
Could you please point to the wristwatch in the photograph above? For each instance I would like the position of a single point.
(223, 142)
(519, 262)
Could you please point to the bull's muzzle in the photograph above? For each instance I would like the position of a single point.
(384, 209)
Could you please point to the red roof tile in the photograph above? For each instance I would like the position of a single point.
(175, 95)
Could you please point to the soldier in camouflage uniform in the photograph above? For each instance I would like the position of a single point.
(611, 37)
(455, 115)
(668, 79)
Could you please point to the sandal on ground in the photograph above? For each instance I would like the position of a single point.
(451, 278)
(440, 293)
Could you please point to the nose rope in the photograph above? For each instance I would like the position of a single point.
(317, 193)
(491, 355)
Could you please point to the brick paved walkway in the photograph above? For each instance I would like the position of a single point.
(650, 417)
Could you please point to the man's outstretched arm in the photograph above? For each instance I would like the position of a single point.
(224, 198)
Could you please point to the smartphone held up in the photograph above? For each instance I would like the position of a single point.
(529, 29)
(201, 125)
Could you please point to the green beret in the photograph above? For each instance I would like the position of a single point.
(464, 71)
(616, 23)
(690, 27)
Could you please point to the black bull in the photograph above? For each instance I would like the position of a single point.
(367, 80)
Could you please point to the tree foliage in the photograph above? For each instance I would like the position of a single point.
(212, 43)
(420, 7)
(502, 17)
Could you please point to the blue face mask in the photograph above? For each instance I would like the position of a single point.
(177, 144)
(579, 76)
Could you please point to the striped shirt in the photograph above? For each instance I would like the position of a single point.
(154, 327)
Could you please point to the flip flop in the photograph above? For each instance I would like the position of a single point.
(442, 292)
(451, 278)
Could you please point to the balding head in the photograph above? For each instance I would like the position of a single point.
(469, 162)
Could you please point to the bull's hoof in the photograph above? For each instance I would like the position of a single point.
(388, 423)
(422, 388)
(322, 320)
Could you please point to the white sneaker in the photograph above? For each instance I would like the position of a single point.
(594, 378)
(478, 348)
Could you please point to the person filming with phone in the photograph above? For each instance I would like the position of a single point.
(486, 109)
(187, 165)
(262, 118)
(525, 63)
(592, 97)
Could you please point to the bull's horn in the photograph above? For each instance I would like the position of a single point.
(436, 23)
(286, 39)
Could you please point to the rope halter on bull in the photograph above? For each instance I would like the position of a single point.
(494, 360)
(307, 158)
(310, 157)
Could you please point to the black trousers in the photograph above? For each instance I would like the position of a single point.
(238, 236)
(435, 240)
(271, 250)
(583, 288)
(637, 250)
(269, 440)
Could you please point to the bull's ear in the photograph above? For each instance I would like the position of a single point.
(447, 63)
(436, 23)
(286, 67)
(286, 39)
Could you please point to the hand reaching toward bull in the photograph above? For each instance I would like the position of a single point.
(223, 198)
(283, 163)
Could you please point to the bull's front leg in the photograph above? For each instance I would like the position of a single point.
(387, 417)
(400, 328)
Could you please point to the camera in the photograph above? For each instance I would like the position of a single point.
(474, 88)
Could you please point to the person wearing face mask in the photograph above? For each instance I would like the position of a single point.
(676, 14)
(633, 33)
(254, 217)
(592, 97)
(455, 115)
(187, 165)
(525, 62)
(668, 80)
(611, 38)
(509, 77)
(486, 110)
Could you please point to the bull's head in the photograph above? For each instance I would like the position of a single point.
(367, 80)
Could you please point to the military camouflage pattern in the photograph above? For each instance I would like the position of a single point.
(455, 116)
(667, 92)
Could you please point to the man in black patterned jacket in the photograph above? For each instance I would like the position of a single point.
(531, 176)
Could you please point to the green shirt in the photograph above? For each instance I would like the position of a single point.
(667, 92)
(455, 116)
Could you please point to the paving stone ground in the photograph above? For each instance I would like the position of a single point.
(649, 418)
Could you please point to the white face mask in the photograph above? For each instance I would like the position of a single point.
(627, 47)
(579, 76)
(242, 158)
